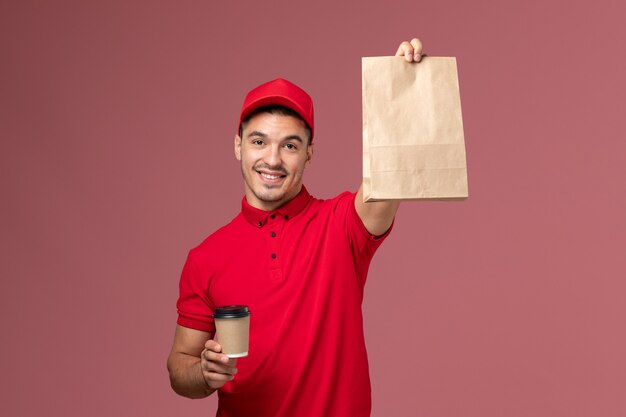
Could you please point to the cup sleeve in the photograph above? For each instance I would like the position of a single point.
(195, 309)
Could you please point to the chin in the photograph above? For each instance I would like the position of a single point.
(269, 196)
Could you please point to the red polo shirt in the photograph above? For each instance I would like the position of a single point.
(301, 270)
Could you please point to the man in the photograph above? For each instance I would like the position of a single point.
(300, 265)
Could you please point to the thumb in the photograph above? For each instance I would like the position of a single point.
(212, 345)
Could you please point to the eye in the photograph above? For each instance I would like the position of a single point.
(291, 146)
(257, 142)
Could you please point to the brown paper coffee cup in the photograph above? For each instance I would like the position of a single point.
(233, 329)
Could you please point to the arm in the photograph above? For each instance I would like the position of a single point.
(378, 216)
(195, 364)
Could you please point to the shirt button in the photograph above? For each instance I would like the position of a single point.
(273, 216)
(286, 217)
(260, 224)
(273, 234)
(273, 256)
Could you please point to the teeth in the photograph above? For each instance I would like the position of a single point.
(270, 177)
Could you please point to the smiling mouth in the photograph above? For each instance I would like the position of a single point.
(271, 177)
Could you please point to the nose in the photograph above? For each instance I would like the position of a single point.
(272, 156)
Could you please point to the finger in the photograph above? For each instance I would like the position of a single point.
(417, 49)
(219, 368)
(216, 377)
(212, 356)
(406, 50)
(213, 345)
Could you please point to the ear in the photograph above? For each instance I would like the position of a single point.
(238, 147)
(309, 154)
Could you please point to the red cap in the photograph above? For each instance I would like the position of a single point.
(279, 92)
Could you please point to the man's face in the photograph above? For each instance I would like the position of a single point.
(273, 151)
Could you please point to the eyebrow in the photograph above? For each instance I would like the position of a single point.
(257, 133)
(294, 137)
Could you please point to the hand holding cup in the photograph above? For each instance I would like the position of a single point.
(217, 368)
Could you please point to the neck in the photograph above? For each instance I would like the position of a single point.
(265, 205)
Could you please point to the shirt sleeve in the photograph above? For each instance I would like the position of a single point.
(362, 243)
(360, 236)
(195, 309)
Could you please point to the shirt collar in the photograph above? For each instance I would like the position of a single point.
(289, 210)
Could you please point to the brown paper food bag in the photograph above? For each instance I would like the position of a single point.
(413, 144)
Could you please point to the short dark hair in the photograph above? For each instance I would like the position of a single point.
(275, 109)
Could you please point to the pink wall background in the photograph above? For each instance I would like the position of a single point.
(116, 125)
